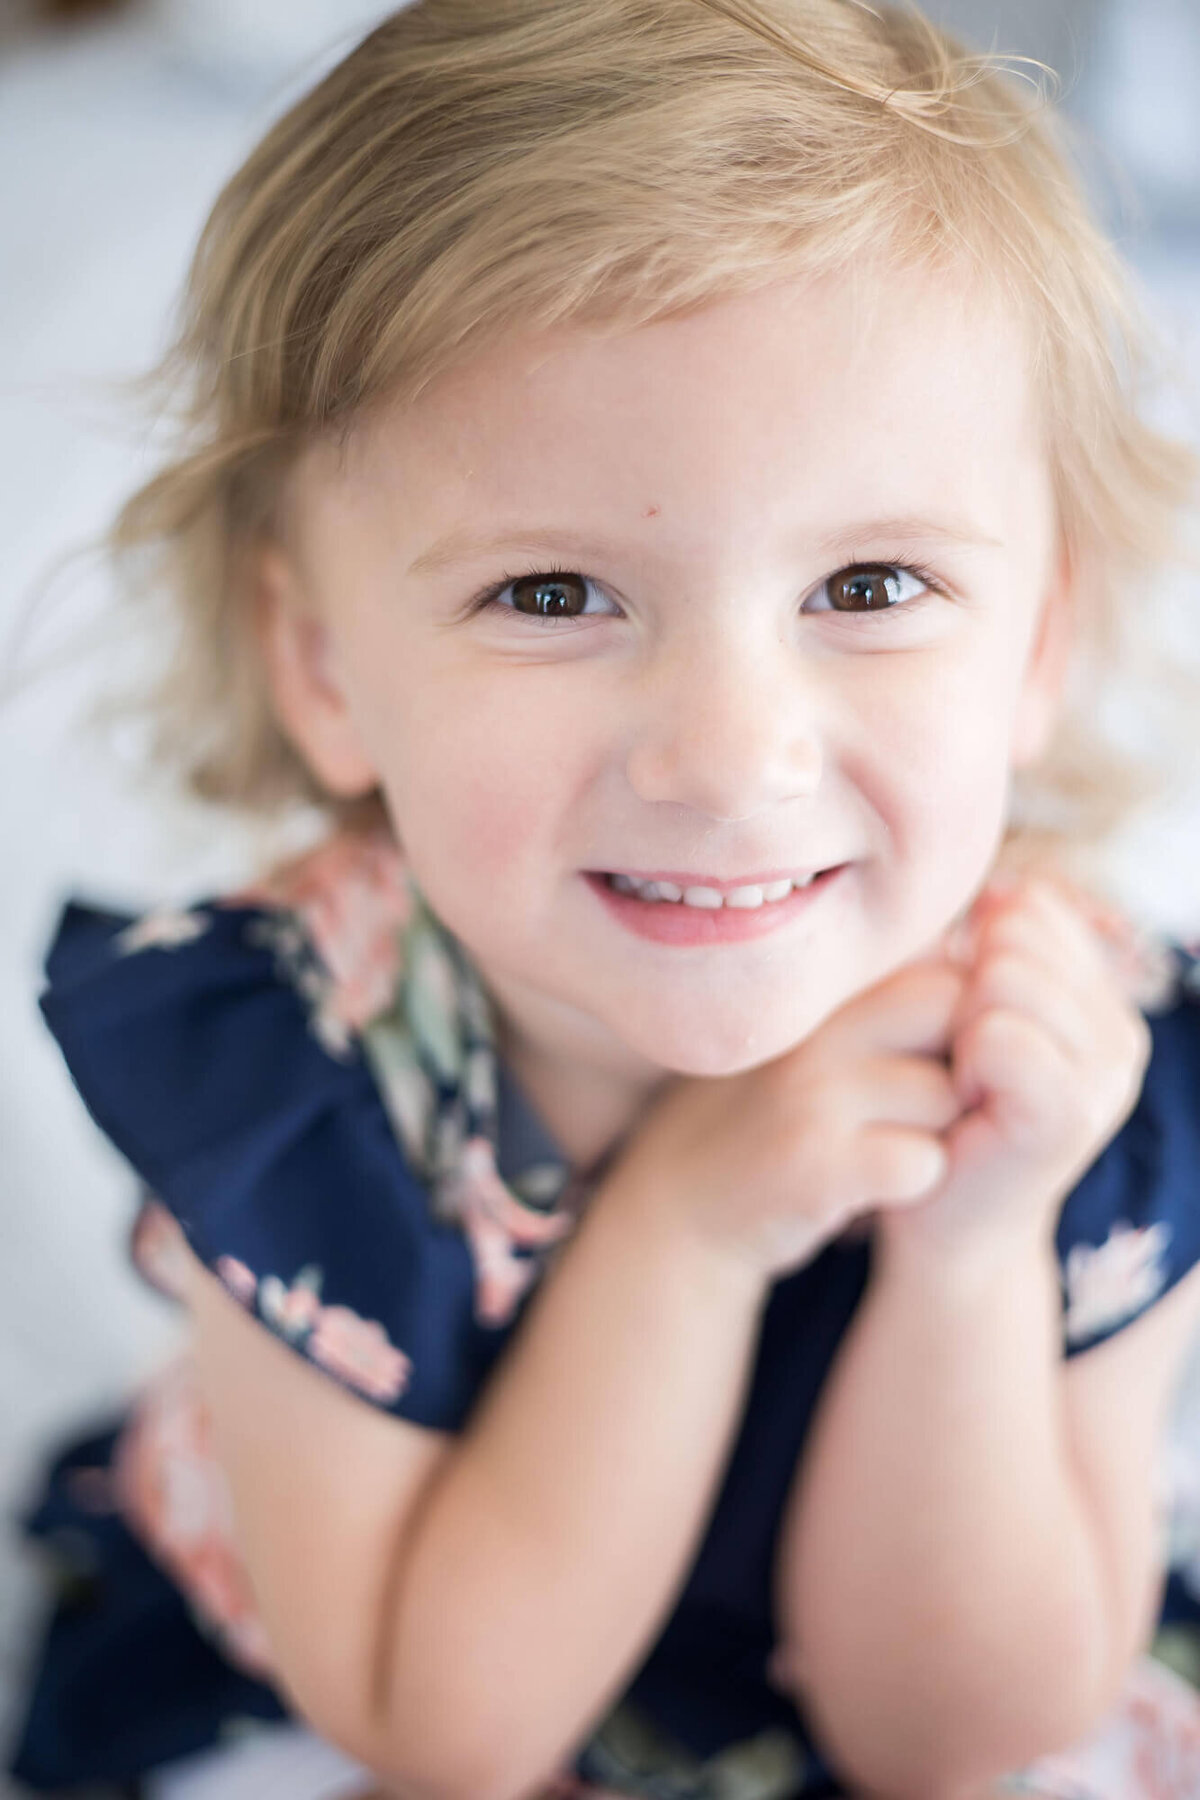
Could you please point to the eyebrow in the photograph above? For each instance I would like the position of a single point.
(459, 546)
(911, 530)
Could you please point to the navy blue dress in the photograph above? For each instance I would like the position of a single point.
(337, 1141)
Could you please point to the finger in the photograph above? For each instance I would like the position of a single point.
(1041, 917)
(1014, 981)
(911, 1010)
(1030, 1086)
(905, 1090)
(896, 1164)
(1034, 960)
(1018, 1069)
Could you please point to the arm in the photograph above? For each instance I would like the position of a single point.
(456, 1613)
(968, 1561)
(967, 1566)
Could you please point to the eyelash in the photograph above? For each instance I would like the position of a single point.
(489, 599)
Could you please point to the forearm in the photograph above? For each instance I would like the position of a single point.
(554, 1540)
(940, 1573)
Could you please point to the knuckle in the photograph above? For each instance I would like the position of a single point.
(991, 1027)
(1009, 1045)
(1013, 911)
(1001, 974)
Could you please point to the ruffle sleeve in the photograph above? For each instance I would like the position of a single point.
(263, 1134)
(1130, 1229)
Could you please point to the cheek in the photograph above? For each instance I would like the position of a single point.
(937, 769)
(480, 779)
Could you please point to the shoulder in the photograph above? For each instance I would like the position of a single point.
(254, 1059)
(191, 1029)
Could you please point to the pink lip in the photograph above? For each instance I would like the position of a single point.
(684, 926)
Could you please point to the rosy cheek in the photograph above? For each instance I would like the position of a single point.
(934, 769)
(468, 813)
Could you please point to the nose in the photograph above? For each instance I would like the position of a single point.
(727, 730)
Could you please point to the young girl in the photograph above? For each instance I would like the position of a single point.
(689, 1236)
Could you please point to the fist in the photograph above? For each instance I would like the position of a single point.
(770, 1164)
(1047, 1058)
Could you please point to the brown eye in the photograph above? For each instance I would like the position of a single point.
(550, 596)
(868, 589)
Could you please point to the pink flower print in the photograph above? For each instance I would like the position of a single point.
(359, 1353)
(353, 896)
(1114, 1281)
(1167, 1724)
(166, 928)
(175, 1497)
(495, 1222)
(291, 1311)
(241, 1281)
(1147, 1747)
(431, 1003)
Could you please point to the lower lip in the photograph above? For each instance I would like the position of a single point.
(671, 922)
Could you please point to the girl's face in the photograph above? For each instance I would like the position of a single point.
(799, 613)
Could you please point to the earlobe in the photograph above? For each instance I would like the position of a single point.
(1047, 669)
(306, 695)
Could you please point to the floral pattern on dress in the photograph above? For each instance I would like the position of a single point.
(359, 1353)
(378, 972)
(631, 1754)
(175, 1495)
(1148, 1748)
(352, 898)
(168, 1484)
(166, 928)
(497, 1225)
(1107, 1284)
(357, 1350)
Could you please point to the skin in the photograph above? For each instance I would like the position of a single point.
(709, 474)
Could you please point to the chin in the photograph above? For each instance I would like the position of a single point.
(715, 1047)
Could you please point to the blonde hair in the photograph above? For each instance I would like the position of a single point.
(481, 166)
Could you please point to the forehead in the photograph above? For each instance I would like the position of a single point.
(890, 390)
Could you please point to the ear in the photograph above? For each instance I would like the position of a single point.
(302, 678)
(1046, 670)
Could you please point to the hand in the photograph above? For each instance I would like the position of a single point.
(770, 1164)
(1048, 1059)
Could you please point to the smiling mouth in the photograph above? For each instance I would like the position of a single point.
(748, 897)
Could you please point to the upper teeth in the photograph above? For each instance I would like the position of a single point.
(707, 897)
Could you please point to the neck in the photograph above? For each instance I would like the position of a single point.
(587, 1100)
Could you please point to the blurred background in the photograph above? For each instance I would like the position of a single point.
(117, 125)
